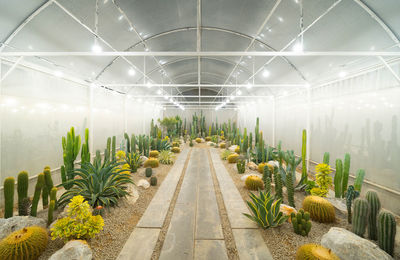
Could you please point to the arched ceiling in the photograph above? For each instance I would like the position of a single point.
(203, 25)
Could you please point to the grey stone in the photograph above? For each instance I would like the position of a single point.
(349, 246)
(210, 249)
(250, 245)
(9, 225)
(73, 250)
(143, 183)
(140, 244)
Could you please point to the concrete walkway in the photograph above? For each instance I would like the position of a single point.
(195, 230)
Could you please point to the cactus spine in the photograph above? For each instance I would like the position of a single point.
(22, 188)
(374, 207)
(351, 195)
(326, 158)
(9, 183)
(346, 172)
(386, 231)
(338, 178)
(303, 157)
(38, 189)
(360, 216)
(301, 222)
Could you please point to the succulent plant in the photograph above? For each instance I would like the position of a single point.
(360, 216)
(386, 231)
(154, 154)
(22, 188)
(262, 165)
(241, 166)
(254, 183)
(175, 150)
(374, 207)
(38, 189)
(151, 162)
(9, 183)
(351, 194)
(319, 208)
(301, 222)
(198, 140)
(153, 181)
(233, 158)
(315, 252)
(149, 172)
(222, 145)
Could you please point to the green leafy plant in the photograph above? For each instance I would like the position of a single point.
(265, 211)
(99, 184)
(79, 223)
(323, 179)
(165, 157)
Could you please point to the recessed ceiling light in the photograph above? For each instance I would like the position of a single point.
(120, 17)
(159, 92)
(269, 30)
(96, 48)
(280, 19)
(298, 47)
(266, 73)
(249, 85)
(342, 74)
(131, 72)
(239, 92)
(58, 73)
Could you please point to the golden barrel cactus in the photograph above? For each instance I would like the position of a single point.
(151, 162)
(315, 252)
(26, 243)
(262, 165)
(254, 182)
(198, 140)
(175, 150)
(237, 149)
(233, 158)
(320, 209)
(222, 145)
(154, 154)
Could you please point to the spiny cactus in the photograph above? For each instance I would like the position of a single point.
(278, 184)
(48, 180)
(149, 172)
(386, 231)
(45, 196)
(326, 158)
(346, 172)
(359, 180)
(50, 212)
(27, 243)
(319, 208)
(374, 207)
(241, 166)
(351, 194)
(38, 189)
(9, 183)
(113, 147)
(153, 181)
(22, 188)
(360, 216)
(301, 222)
(85, 153)
(290, 189)
(154, 154)
(267, 175)
(71, 146)
(303, 157)
(254, 183)
(338, 178)
(175, 150)
(315, 252)
(53, 196)
(151, 162)
(233, 158)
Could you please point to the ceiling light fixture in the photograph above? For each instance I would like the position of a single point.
(266, 73)
(120, 17)
(280, 19)
(342, 74)
(239, 92)
(96, 48)
(249, 85)
(149, 85)
(131, 72)
(159, 92)
(298, 47)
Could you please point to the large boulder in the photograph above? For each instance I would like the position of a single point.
(349, 246)
(143, 183)
(9, 225)
(73, 250)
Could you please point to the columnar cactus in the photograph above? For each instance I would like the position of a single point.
(338, 178)
(38, 189)
(290, 189)
(303, 157)
(359, 180)
(22, 188)
(346, 172)
(128, 143)
(351, 194)
(71, 146)
(85, 153)
(53, 196)
(374, 207)
(113, 151)
(267, 179)
(326, 158)
(278, 184)
(360, 216)
(9, 183)
(386, 231)
(50, 212)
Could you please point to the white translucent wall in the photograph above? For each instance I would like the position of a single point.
(359, 115)
(220, 116)
(37, 109)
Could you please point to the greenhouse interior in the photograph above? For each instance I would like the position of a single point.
(199, 129)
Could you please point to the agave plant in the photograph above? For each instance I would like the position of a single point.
(165, 157)
(165, 145)
(100, 184)
(133, 160)
(265, 211)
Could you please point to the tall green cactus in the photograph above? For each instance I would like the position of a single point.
(71, 147)
(251, 141)
(113, 149)
(50, 212)
(53, 196)
(338, 178)
(359, 180)
(267, 179)
(107, 151)
(257, 130)
(346, 172)
(386, 231)
(38, 189)
(374, 206)
(133, 143)
(128, 143)
(9, 183)
(85, 152)
(303, 157)
(47, 187)
(351, 194)
(22, 188)
(290, 189)
(45, 197)
(326, 158)
(278, 184)
(360, 216)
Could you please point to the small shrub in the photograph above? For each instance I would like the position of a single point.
(154, 154)
(79, 223)
(176, 150)
(222, 145)
(233, 158)
(151, 162)
(165, 157)
(323, 179)
(254, 183)
(120, 155)
(198, 140)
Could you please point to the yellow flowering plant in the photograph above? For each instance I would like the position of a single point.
(323, 180)
(79, 223)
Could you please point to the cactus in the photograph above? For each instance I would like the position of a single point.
(113, 147)
(71, 146)
(346, 172)
(290, 189)
(319, 208)
(175, 150)
(241, 166)
(257, 130)
(303, 157)
(26, 243)
(359, 180)
(107, 152)
(149, 172)
(254, 183)
(50, 212)
(338, 178)
(38, 189)
(154, 154)
(278, 184)
(233, 158)
(326, 158)
(9, 183)
(351, 194)
(45, 196)
(53, 196)
(374, 207)
(315, 252)
(301, 222)
(128, 143)
(267, 175)
(153, 181)
(48, 180)
(85, 153)
(360, 216)
(22, 188)
(386, 231)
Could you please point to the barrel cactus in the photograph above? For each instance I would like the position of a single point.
(262, 165)
(374, 207)
(175, 150)
(154, 154)
(360, 216)
(27, 243)
(151, 162)
(386, 231)
(315, 252)
(233, 158)
(254, 182)
(153, 181)
(319, 208)
(222, 145)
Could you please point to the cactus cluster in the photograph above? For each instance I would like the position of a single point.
(360, 216)
(27, 243)
(315, 252)
(254, 183)
(241, 166)
(319, 208)
(301, 222)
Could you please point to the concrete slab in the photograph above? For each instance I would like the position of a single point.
(140, 244)
(250, 245)
(210, 249)
(154, 215)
